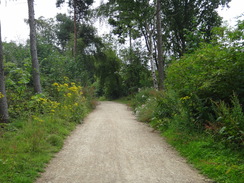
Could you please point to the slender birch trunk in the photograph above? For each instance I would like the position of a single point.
(34, 58)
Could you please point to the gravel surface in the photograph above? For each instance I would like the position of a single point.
(113, 147)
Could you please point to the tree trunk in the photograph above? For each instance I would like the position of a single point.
(4, 117)
(33, 49)
(153, 69)
(159, 46)
(130, 53)
(75, 28)
(148, 36)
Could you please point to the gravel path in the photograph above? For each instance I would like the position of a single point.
(112, 147)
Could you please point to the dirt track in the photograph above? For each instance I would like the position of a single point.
(112, 147)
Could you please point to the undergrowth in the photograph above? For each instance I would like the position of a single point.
(212, 158)
(213, 146)
(30, 141)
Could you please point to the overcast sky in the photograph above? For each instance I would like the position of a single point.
(13, 14)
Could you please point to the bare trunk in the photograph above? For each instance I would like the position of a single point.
(4, 117)
(148, 35)
(75, 29)
(130, 46)
(35, 64)
(153, 69)
(159, 46)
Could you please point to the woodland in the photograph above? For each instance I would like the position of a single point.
(173, 62)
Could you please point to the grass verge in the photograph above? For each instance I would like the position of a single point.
(27, 145)
(124, 100)
(213, 159)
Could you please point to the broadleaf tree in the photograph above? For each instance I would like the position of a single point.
(188, 23)
(33, 47)
(185, 24)
(80, 11)
(133, 20)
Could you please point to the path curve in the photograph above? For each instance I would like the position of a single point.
(112, 147)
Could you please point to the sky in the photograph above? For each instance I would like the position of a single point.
(13, 13)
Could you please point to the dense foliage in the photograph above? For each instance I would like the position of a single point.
(203, 93)
(40, 122)
(202, 106)
(43, 123)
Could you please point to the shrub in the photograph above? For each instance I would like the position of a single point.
(212, 72)
(145, 112)
(166, 109)
(142, 96)
(229, 123)
(28, 142)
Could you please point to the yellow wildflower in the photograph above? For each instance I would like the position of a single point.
(55, 104)
(66, 78)
(68, 94)
(73, 89)
(76, 104)
(37, 119)
(44, 100)
(55, 84)
(185, 98)
(1, 95)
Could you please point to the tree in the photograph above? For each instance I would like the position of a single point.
(80, 10)
(187, 23)
(33, 49)
(133, 19)
(45, 29)
(159, 46)
(135, 75)
(4, 117)
(108, 67)
(64, 30)
(184, 25)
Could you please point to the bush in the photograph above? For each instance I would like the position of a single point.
(145, 112)
(229, 124)
(142, 96)
(212, 72)
(194, 83)
(28, 142)
(166, 109)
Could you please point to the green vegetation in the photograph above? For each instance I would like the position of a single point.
(213, 159)
(30, 141)
(38, 123)
(201, 111)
